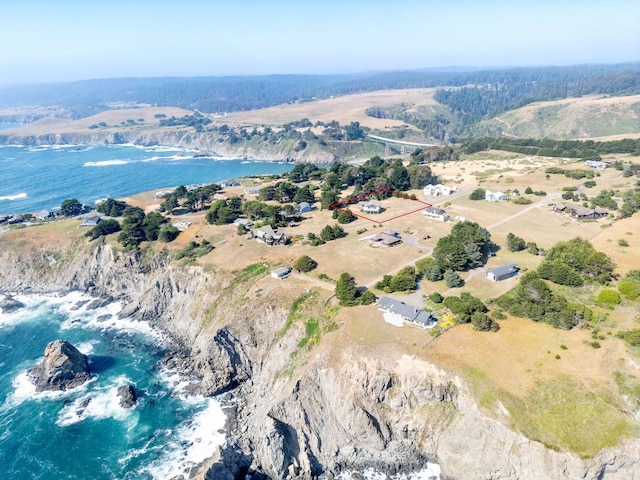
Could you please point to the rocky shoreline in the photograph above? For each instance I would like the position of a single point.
(323, 419)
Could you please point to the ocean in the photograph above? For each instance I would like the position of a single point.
(40, 178)
(58, 435)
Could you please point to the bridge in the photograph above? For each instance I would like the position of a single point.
(402, 144)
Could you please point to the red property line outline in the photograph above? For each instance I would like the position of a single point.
(340, 205)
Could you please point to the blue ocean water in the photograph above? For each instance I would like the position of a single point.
(60, 435)
(40, 178)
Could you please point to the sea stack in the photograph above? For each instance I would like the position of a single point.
(127, 396)
(8, 304)
(63, 367)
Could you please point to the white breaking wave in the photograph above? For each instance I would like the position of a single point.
(97, 405)
(17, 196)
(105, 163)
(25, 390)
(197, 439)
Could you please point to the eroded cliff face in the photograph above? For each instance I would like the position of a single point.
(342, 409)
(282, 150)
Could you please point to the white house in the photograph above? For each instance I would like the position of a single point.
(282, 272)
(370, 206)
(596, 164)
(252, 190)
(495, 196)
(229, 183)
(243, 221)
(436, 213)
(398, 313)
(435, 190)
(304, 207)
(502, 272)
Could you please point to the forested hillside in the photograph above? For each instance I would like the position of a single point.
(488, 92)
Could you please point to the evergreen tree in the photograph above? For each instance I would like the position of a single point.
(346, 290)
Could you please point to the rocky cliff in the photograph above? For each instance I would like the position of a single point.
(342, 408)
(206, 142)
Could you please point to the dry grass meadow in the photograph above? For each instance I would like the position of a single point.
(344, 109)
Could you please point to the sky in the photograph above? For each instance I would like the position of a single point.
(62, 40)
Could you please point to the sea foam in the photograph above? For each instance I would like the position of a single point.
(196, 441)
(17, 196)
(105, 163)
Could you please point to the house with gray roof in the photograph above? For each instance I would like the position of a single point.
(304, 207)
(268, 235)
(502, 272)
(436, 213)
(91, 221)
(400, 313)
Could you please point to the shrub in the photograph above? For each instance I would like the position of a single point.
(515, 243)
(367, 298)
(629, 288)
(623, 243)
(478, 194)
(452, 279)
(590, 183)
(563, 347)
(435, 297)
(609, 297)
(168, 234)
(305, 264)
(522, 201)
(104, 227)
(528, 190)
(483, 323)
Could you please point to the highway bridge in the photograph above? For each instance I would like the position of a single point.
(402, 144)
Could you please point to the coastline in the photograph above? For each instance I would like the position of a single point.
(194, 436)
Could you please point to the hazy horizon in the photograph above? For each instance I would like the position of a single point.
(60, 41)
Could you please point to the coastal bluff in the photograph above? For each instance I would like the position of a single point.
(344, 408)
(62, 368)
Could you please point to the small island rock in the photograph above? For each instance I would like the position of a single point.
(9, 304)
(127, 395)
(63, 367)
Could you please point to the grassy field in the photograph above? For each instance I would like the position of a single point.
(113, 119)
(344, 109)
(586, 117)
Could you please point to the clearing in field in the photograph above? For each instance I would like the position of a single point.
(342, 205)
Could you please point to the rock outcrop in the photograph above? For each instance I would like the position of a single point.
(9, 304)
(63, 367)
(127, 396)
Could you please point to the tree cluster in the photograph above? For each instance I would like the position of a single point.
(464, 248)
(403, 281)
(469, 309)
(533, 298)
(575, 262)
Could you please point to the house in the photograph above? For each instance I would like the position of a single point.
(495, 196)
(304, 207)
(439, 189)
(268, 235)
(182, 225)
(44, 215)
(503, 272)
(252, 190)
(436, 213)
(91, 221)
(370, 206)
(596, 164)
(398, 313)
(243, 221)
(162, 193)
(580, 213)
(229, 183)
(386, 238)
(282, 272)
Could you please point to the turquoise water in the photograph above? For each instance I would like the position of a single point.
(50, 435)
(40, 178)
